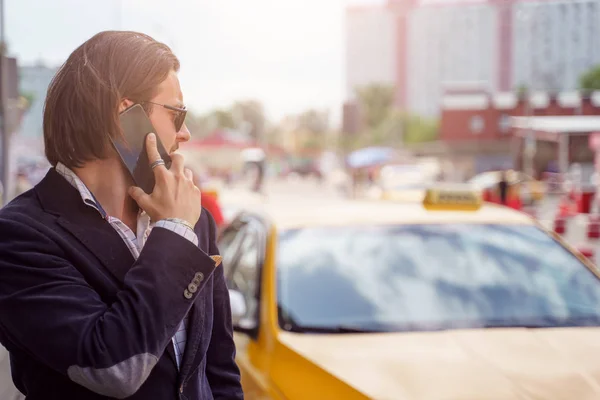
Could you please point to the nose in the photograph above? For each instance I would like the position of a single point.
(184, 134)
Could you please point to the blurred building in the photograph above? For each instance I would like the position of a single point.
(503, 44)
(371, 44)
(553, 43)
(26, 142)
(34, 80)
(447, 43)
(351, 118)
(476, 132)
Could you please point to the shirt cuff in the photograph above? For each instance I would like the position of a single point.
(179, 228)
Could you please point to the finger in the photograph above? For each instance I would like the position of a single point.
(140, 197)
(177, 163)
(188, 174)
(151, 149)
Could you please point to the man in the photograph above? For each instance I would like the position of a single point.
(106, 291)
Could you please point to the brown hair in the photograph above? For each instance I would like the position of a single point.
(82, 105)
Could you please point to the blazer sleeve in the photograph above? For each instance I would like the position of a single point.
(48, 310)
(222, 372)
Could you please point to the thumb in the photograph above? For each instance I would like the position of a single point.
(140, 197)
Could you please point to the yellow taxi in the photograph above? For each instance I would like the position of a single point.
(445, 298)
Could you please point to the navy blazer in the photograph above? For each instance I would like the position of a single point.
(83, 320)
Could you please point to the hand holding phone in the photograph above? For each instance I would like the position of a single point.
(131, 147)
(174, 195)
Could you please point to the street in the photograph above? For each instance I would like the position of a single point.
(310, 193)
(300, 193)
(7, 389)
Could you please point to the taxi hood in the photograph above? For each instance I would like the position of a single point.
(503, 364)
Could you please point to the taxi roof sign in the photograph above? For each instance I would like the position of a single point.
(452, 200)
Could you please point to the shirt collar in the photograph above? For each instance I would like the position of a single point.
(86, 195)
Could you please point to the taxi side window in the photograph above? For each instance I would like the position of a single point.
(243, 275)
(229, 244)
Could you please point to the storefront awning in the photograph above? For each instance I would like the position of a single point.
(556, 125)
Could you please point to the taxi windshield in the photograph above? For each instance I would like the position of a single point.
(430, 277)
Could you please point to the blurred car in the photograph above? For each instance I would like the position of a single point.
(448, 298)
(523, 187)
(303, 168)
(402, 182)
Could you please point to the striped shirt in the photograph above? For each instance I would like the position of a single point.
(133, 242)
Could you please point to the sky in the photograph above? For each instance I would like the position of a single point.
(286, 53)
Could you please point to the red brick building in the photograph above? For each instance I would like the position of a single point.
(476, 132)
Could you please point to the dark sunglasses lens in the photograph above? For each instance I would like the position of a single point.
(179, 120)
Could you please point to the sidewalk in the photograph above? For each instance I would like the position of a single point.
(7, 389)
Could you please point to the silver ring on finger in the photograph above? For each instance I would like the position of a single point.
(157, 163)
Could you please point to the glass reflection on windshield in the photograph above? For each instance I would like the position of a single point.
(429, 277)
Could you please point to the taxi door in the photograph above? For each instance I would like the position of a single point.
(243, 246)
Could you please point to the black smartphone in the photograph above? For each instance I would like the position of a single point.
(131, 147)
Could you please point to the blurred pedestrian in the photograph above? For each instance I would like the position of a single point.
(107, 291)
(260, 176)
(503, 187)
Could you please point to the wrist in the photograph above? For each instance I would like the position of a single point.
(179, 221)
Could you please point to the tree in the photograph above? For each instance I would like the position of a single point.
(590, 80)
(198, 125)
(203, 125)
(314, 125)
(522, 90)
(314, 121)
(419, 129)
(376, 102)
(28, 97)
(250, 113)
(221, 118)
(402, 128)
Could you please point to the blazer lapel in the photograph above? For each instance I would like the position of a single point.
(104, 242)
(85, 224)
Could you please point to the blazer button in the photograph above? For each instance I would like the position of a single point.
(199, 276)
(192, 288)
(187, 294)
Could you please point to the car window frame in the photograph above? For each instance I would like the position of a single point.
(249, 225)
(239, 227)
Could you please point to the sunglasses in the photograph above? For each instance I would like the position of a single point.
(179, 118)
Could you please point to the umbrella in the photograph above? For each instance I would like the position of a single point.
(370, 156)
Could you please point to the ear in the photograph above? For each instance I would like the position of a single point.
(125, 104)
